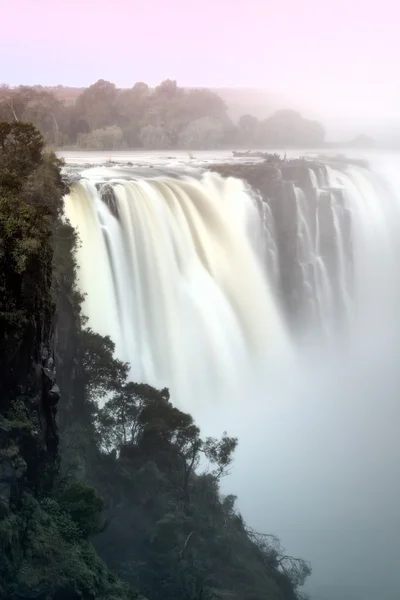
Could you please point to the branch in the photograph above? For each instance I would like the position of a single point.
(11, 106)
(185, 544)
(55, 122)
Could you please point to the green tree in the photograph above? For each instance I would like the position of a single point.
(132, 105)
(21, 147)
(141, 416)
(97, 105)
(31, 191)
(83, 505)
(37, 106)
(101, 372)
(108, 138)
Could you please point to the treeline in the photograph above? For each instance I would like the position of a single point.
(104, 117)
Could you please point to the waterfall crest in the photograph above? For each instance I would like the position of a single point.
(172, 274)
(198, 279)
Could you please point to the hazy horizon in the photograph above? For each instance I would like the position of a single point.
(336, 63)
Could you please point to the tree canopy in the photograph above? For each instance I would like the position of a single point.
(104, 117)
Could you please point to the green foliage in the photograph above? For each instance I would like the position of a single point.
(21, 147)
(169, 532)
(102, 372)
(96, 104)
(108, 138)
(45, 552)
(169, 116)
(83, 505)
(66, 526)
(141, 417)
(31, 190)
(18, 415)
(220, 452)
(34, 105)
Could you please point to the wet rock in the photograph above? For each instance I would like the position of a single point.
(307, 216)
(54, 395)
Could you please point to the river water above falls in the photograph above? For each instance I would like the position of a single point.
(268, 305)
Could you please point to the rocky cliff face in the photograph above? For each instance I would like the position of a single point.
(307, 214)
(45, 521)
(30, 197)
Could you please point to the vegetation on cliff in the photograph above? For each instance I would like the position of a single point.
(121, 473)
(168, 531)
(104, 117)
(44, 523)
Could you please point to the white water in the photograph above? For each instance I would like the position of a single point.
(186, 289)
(176, 282)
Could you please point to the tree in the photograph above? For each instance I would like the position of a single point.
(154, 136)
(118, 421)
(141, 416)
(167, 90)
(21, 147)
(131, 106)
(203, 133)
(31, 191)
(274, 555)
(288, 128)
(108, 138)
(220, 453)
(83, 505)
(37, 106)
(97, 104)
(102, 373)
(205, 103)
(248, 129)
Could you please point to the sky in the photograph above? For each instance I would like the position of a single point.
(336, 59)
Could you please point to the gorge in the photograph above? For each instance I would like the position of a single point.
(277, 283)
(264, 296)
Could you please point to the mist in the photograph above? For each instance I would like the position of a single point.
(334, 61)
(317, 420)
(317, 461)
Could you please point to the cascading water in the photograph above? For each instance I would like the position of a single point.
(170, 274)
(285, 304)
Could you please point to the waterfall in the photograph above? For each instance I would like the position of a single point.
(172, 274)
(284, 301)
(194, 277)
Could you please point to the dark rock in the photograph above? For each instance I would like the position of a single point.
(53, 395)
(49, 373)
(8, 479)
(297, 190)
(108, 197)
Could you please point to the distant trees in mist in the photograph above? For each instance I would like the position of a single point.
(103, 117)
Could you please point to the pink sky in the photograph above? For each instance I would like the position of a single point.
(327, 55)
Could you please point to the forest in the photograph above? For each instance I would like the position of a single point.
(101, 492)
(103, 117)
